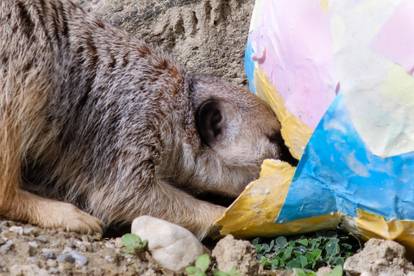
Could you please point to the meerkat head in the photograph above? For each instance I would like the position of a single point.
(237, 131)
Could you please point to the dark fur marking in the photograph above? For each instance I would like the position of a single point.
(65, 29)
(125, 59)
(92, 51)
(56, 24)
(65, 24)
(162, 65)
(100, 23)
(28, 66)
(92, 58)
(112, 62)
(41, 15)
(144, 51)
(79, 50)
(25, 19)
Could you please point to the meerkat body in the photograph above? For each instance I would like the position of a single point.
(93, 118)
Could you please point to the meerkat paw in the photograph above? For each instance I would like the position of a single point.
(50, 213)
(70, 218)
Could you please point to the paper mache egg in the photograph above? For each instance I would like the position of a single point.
(339, 75)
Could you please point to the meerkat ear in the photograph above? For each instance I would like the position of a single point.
(209, 121)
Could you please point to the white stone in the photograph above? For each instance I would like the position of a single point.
(172, 246)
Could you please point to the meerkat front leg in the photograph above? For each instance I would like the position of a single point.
(183, 209)
(158, 199)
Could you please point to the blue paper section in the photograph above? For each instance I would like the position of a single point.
(338, 173)
(249, 66)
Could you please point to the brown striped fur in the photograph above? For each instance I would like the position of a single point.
(92, 118)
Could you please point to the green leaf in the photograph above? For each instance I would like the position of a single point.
(336, 261)
(294, 263)
(304, 242)
(281, 242)
(288, 252)
(332, 247)
(303, 261)
(203, 262)
(337, 271)
(275, 263)
(133, 243)
(194, 271)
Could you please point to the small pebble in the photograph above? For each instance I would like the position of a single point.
(72, 256)
(48, 254)
(33, 260)
(109, 245)
(17, 229)
(109, 259)
(51, 263)
(30, 231)
(33, 244)
(6, 247)
(65, 266)
(42, 238)
(32, 250)
(54, 270)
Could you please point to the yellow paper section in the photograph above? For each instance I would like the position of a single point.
(259, 204)
(375, 226)
(255, 211)
(294, 132)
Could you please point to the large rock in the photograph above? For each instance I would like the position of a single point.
(207, 36)
(236, 254)
(172, 246)
(380, 257)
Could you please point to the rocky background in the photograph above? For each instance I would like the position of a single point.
(207, 36)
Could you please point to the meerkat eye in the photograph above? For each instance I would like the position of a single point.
(209, 121)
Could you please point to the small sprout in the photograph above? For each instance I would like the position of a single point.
(202, 263)
(133, 244)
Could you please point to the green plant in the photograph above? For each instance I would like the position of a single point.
(133, 244)
(305, 252)
(200, 267)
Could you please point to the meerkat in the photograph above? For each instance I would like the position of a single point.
(97, 128)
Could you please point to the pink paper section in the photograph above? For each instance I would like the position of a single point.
(395, 40)
(292, 44)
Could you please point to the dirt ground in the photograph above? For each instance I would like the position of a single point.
(30, 250)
